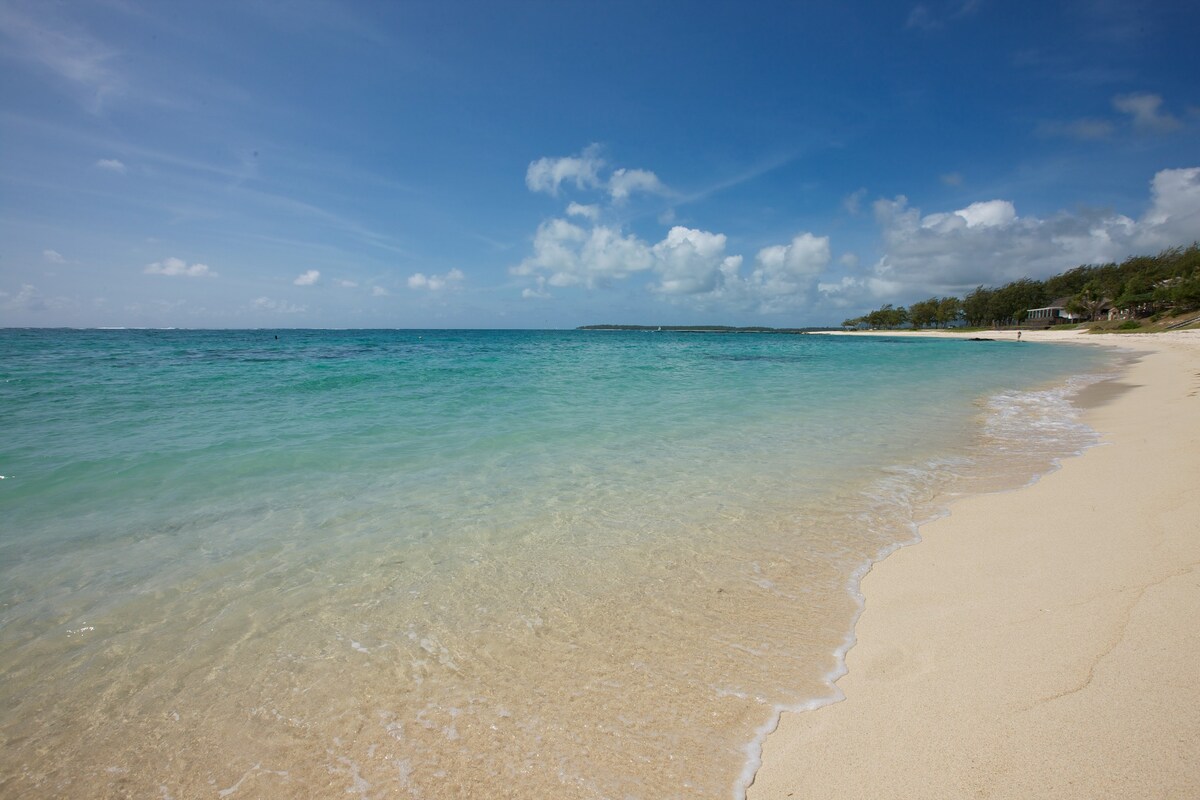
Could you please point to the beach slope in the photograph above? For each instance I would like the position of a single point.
(1040, 642)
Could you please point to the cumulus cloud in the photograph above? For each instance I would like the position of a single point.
(435, 283)
(988, 214)
(689, 261)
(1145, 109)
(278, 306)
(569, 255)
(307, 278)
(688, 265)
(584, 172)
(591, 212)
(547, 174)
(1174, 215)
(989, 243)
(624, 182)
(53, 257)
(785, 275)
(111, 165)
(180, 268)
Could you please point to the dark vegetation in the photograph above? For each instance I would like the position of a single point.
(696, 329)
(1138, 288)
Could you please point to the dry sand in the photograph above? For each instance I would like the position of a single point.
(1040, 643)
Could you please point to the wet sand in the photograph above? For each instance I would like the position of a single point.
(1040, 642)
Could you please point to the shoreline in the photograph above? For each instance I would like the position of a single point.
(1037, 641)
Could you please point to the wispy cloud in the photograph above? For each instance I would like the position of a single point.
(922, 17)
(435, 283)
(62, 48)
(177, 267)
(853, 201)
(1086, 129)
(277, 306)
(752, 173)
(1146, 111)
(583, 171)
(111, 165)
(307, 278)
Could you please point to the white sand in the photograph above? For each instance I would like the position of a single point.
(1038, 643)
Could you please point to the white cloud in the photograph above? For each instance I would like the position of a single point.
(853, 201)
(53, 257)
(569, 255)
(688, 265)
(989, 213)
(63, 48)
(943, 252)
(26, 299)
(624, 182)
(278, 306)
(536, 293)
(435, 283)
(379, 291)
(1145, 110)
(688, 261)
(345, 284)
(1174, 216)
(584, 172)
(785, 275)
(547, 174)
(989, 243)
(179, 267)
(591, 212)
(307, 278)
(111, 165)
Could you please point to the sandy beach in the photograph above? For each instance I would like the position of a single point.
(1040, 642)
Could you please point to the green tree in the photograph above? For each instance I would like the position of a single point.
(1088, 301)
(949, 309)
(1015, 297)
(975, 305)
(923, 312)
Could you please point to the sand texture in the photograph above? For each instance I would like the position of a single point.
(1043, 642)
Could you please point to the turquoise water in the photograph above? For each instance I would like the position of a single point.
(463, 563)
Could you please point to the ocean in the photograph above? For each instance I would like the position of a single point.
(450, 564)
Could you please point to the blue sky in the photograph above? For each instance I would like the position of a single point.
(549, 164)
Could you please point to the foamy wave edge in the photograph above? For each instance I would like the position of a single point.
(1000, 406)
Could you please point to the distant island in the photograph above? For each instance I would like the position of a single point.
(701, 329)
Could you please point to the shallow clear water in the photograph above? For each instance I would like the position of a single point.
(462, 563)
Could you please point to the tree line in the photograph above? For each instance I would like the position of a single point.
(1140, 286)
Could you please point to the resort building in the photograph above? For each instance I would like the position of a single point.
(1057, 310)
